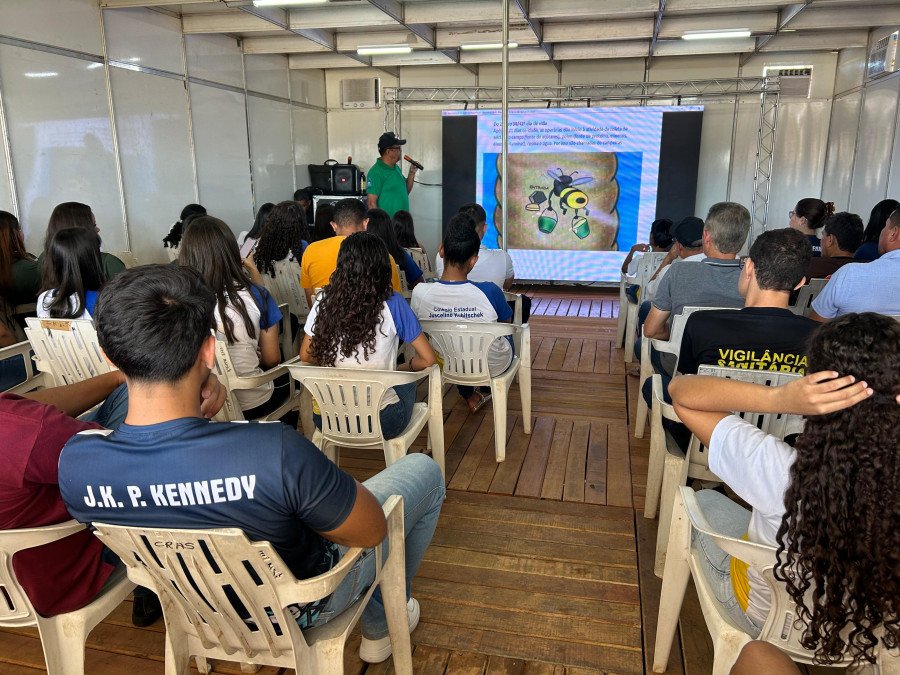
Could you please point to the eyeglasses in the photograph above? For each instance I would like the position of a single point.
(744, 258)
(791, 214)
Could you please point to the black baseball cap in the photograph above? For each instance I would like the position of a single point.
(387, 140)
(689, 232)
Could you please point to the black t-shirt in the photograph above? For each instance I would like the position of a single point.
(755, 338)
(263, 478)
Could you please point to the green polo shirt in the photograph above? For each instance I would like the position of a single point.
(389, 184)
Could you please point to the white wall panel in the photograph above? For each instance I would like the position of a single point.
(851, 69)
(692, 67)
(308, 86)
(530, 73)
(428, 76)
(602, 70)
(220, 142)
(310, 141)
(271, 155)
(155, 149)
(145, 38)
(267, 73)
(6, 193)
(715, 155)
(801, 138)
(61, 140)
(215, 57)
(423, 130)
(744, 152)
(873, 153)
(893, 185)
(842, 135)
(74, 24)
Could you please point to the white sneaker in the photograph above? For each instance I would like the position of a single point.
(376, 651)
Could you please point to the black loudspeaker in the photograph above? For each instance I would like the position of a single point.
(345, 179)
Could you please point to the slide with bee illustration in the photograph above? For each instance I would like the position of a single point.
(583, 186)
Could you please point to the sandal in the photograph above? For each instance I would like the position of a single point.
(477, 400)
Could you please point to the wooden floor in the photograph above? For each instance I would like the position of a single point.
(541, 564)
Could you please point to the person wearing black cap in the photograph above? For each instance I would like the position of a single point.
(387, 188)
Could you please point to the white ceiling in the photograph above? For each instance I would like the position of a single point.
(327, 36)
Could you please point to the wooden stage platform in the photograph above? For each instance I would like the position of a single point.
(541, 565)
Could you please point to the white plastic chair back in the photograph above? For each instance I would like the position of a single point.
(207, 579)
(349, 401)
(33, 380)
(285, 287)
(404, 284)
(227, 374)
(464, 347)
(127, 257)
(419, 257)
(647, 264)
(67, 350)
(516, 299)
(63, 635)
(782, 628)
(806, 295)
(670, 346)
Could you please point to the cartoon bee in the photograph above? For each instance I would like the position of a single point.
(568, 198)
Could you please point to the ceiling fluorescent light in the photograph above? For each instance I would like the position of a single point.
(715, 34)
(487, 45)
(42, 74)
(286, 3)
(387, 49)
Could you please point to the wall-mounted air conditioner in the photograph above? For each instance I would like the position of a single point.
(883, 56)
(793, 81)
(361, 93)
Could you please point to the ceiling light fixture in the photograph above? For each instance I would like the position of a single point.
(286, 3)
(486, 45)
(42, 74)
(715, 34)
(387, 49)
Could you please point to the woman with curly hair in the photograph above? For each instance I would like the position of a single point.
(831, 504)
(283, 237)
(188, 213)
(246, 314)
(358, 320)
(381, 226)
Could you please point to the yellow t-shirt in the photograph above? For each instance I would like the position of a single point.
(320, 260)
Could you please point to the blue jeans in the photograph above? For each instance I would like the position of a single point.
(731, 519)
(417, 478)
(393, 417)
(112, 413)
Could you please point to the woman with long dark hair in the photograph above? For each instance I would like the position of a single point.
(246, 314)
(381, 226)
(358, 320)
(808, 216)
(188, 213)
(78, 215)
(283, 237)
(247, 240)
(877, 220)
(72, 275)
(322, 228)
(830, 504)
(20, 274)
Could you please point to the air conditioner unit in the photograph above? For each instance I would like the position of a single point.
(883, 56)
(794, 81)
(361, 93)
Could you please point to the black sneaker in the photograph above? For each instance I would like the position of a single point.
(146, 610)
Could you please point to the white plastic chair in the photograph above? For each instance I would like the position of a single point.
(62, 636)
(670, 346)
(806, 295)
(190, 569)
(33, 380)
(285, 288)
(233, 382)
(676, 467)
(782, 627)
(628, 311)
(419, 257)
(464, 349)
(66, 350)
(404, 284)
(127, 257)
(350, 399)
(515, 298)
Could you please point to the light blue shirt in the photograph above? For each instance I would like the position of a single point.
(862, 287)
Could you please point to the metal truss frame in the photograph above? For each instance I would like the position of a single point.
(687, 91)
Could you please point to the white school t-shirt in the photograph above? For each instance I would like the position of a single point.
(757, 466)
(493, 264)
(471, 302)
(397, 323)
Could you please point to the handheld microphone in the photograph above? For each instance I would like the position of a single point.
(414, 162)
